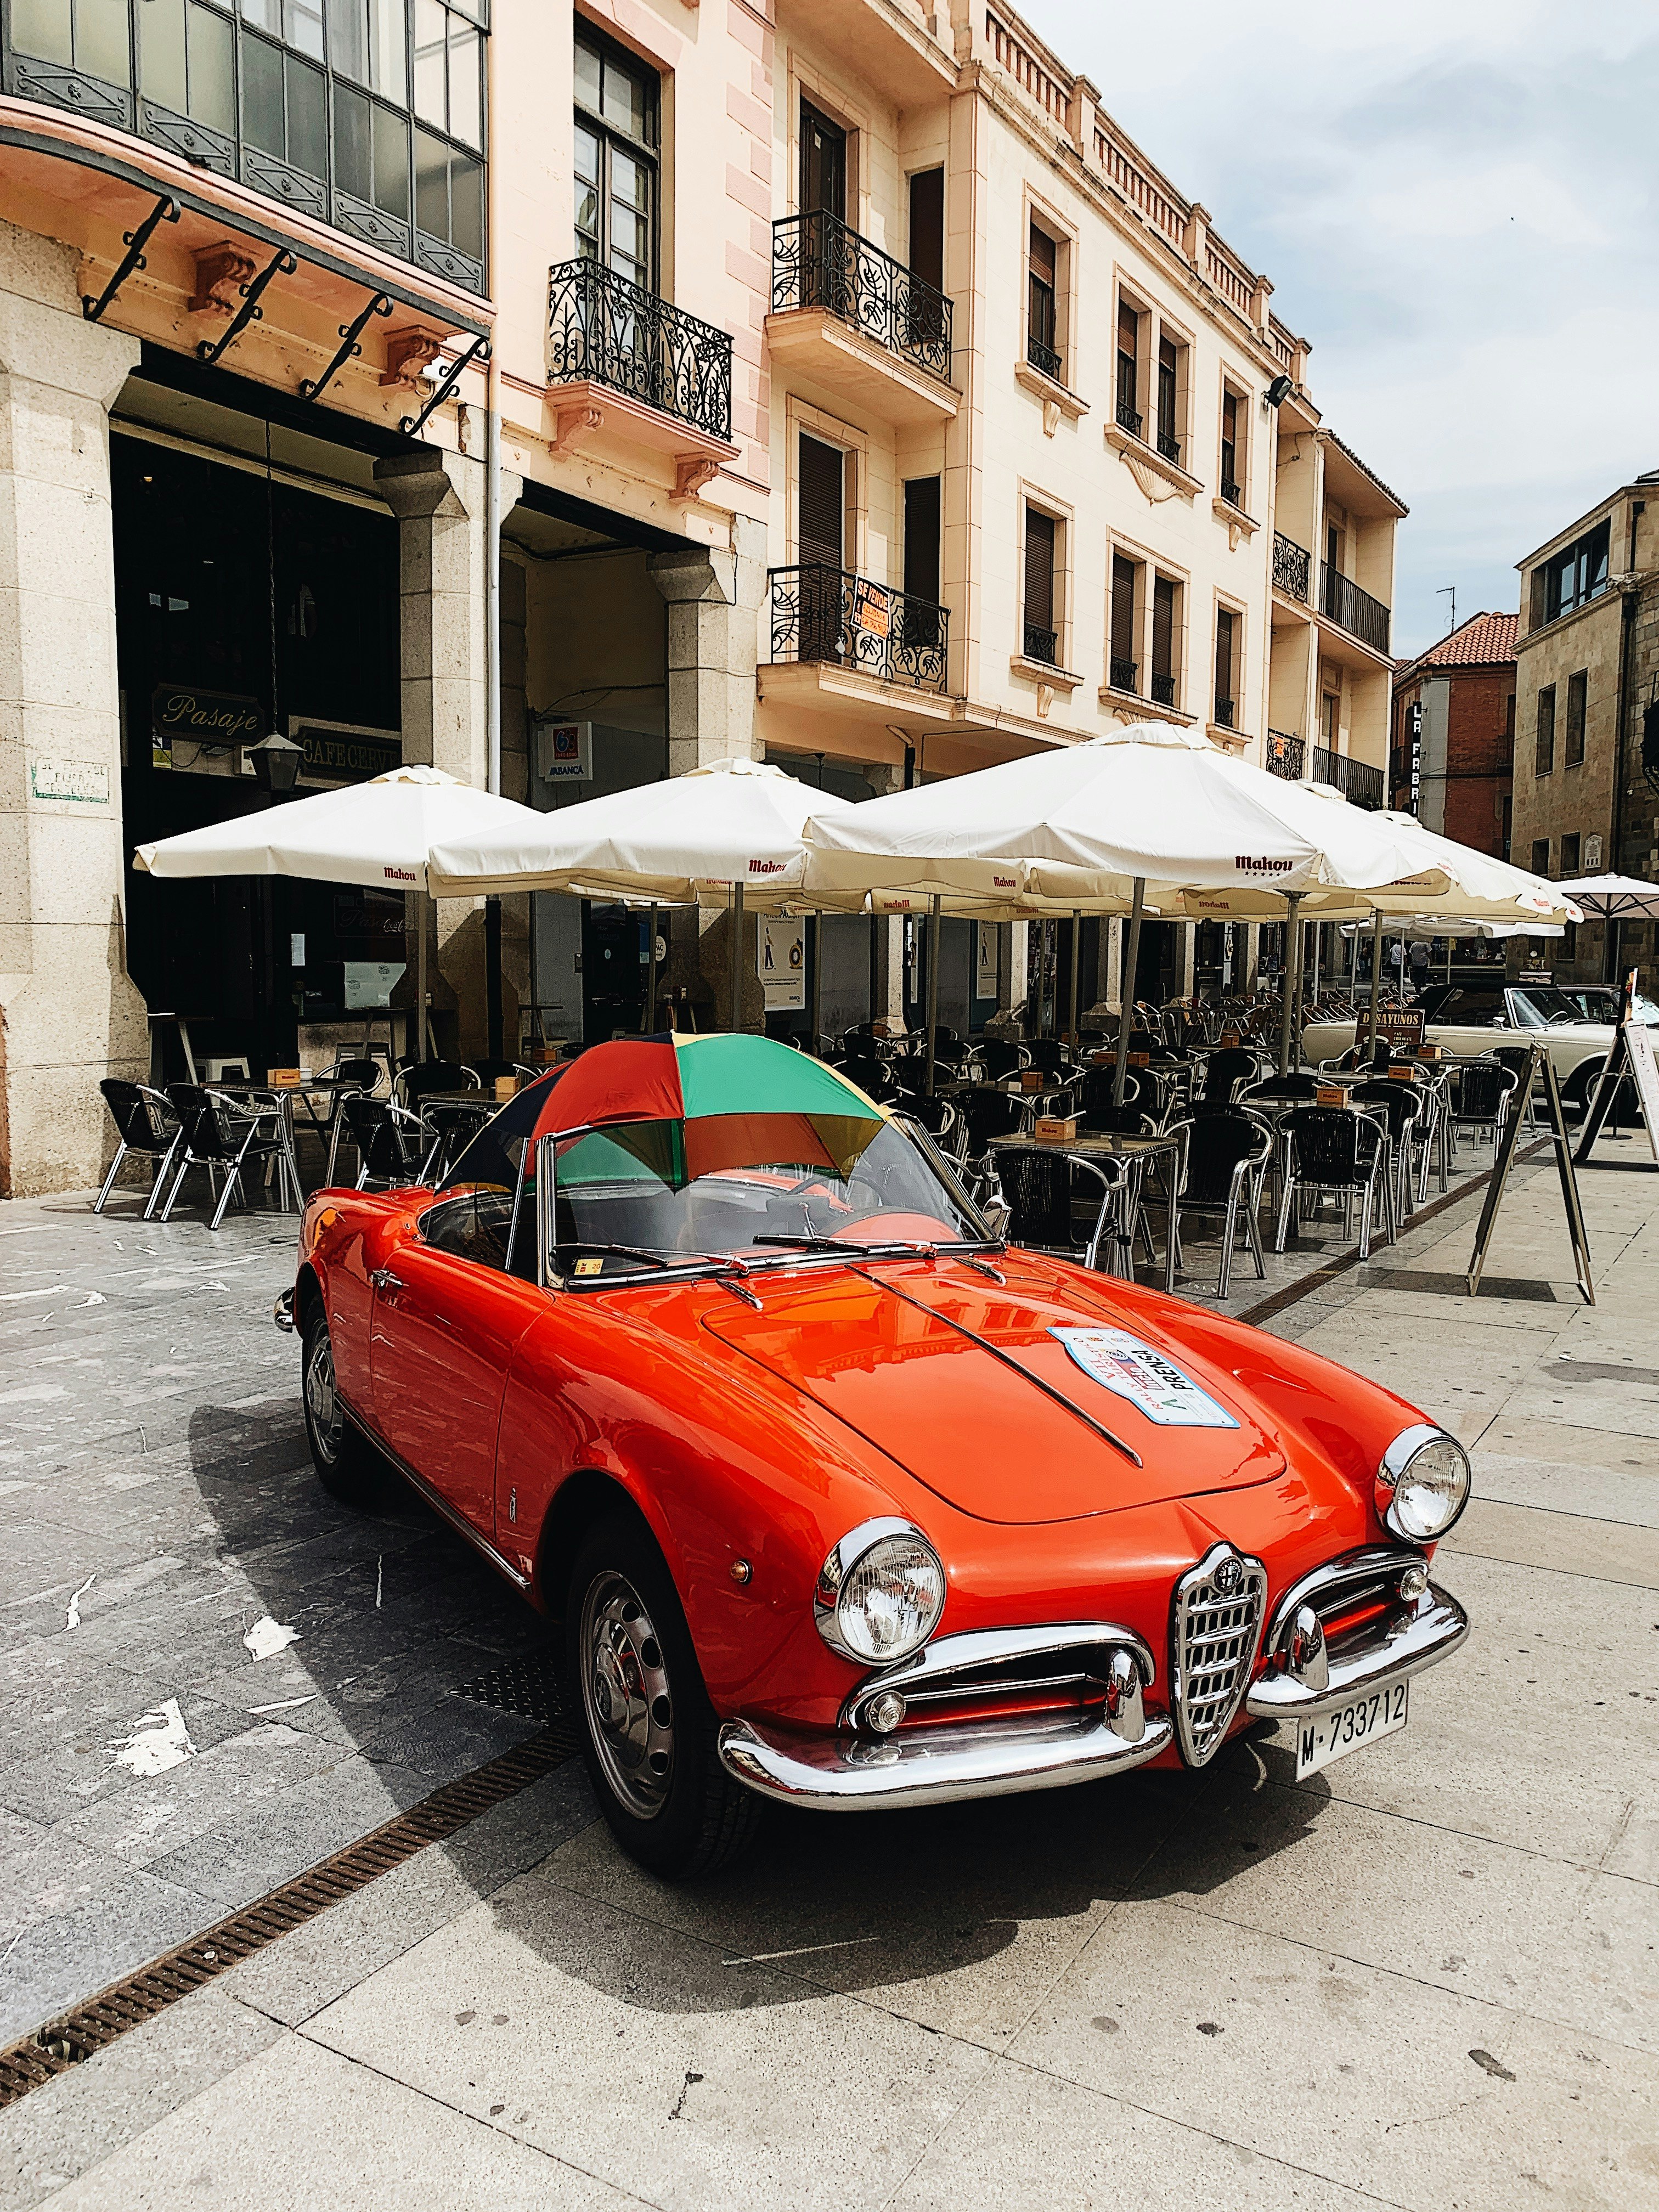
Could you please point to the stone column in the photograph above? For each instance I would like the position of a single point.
(70, 1014)
(439, 500)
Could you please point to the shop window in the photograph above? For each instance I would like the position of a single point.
(1577, 696)
(617, 128)
(1544, 752)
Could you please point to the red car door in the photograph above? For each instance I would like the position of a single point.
(447, 1317)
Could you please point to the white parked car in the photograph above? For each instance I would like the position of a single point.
(1576, 1022)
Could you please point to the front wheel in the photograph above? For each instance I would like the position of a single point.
(345, 1460)
(648, 1728)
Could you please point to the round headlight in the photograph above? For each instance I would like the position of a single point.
(879, 1593)
(1423, 1484)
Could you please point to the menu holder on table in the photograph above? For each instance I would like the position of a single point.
(1054, 1129)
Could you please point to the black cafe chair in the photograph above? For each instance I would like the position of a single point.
(1402, 1106)
(216, 1133)
(426, 1078)
(1059, 1202)
(1227, 1070)
(1333, 1153)
(390, 1141)
(145, 1123)
(994, 1059)
(1224, 1158)
(1482, 1100)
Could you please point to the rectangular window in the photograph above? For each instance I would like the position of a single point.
(1126, 591)
(1570, 849)
(1169, 390)
(1164, 591)
(1578, 574)
(1508, 822)
(1509, 722)
(1129, 368)
(1232, 446)
(1226, 649)
(927, 226)
(1042, 324)
(1577, 697)
(616, 160)
(1544, 758)
(1541, 856)
(822, 164)
(823, 508)
(1334, 548)
(1042, 639)
(921, 537)
(1330, 717)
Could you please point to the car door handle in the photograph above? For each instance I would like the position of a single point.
(383, 1279)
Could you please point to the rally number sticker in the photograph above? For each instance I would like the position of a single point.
(1122, 1363)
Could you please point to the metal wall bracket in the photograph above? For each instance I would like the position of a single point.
(477, 352)
(166, 210)
(282, 263)
(349, 333)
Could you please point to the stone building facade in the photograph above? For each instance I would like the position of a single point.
(1586, 671)
(1453, 752)
(567, 396)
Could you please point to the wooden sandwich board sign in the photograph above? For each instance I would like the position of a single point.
(1539, 1063)
(1631, 1057)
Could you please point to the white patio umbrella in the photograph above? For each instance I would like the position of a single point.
(380, 834)
(1138, 814)
(732, 830)
(1613, 899)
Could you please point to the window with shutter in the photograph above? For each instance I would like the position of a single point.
(1163, 632)
(1042, 348)
(1129, 368)
(1041, 641)
(821, 503)
(1126, 579)
(1226, 625)
(1544, 756)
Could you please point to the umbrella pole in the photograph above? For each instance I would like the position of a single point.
(1077, 947)
(1126, 990)
(650, 974)
(736, 976)
(1292, 977)
(421, 1040)
(1377, 975)
(817, 978)
(933, 986)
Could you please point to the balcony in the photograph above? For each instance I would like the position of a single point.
(615, 349)
(1285, 755)
(1164, 691)
(1224, 709)
(1169, 445)
(1123, 673)
(1044, 359)
(1341, 601)
(1129, 418)
(1041, 645)
(825, 615)
(1230, 492)
(849, 316)
(1292, 569)
(1357, 780)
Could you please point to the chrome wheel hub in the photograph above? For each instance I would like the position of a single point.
(630, 1713)
(323, 1401)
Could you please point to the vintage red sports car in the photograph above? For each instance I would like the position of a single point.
(839, 1500)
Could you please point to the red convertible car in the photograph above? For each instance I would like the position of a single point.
(839, 1499)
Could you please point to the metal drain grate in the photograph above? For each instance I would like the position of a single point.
(522, 1686)
(77, 2035)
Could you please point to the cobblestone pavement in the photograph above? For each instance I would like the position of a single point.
(1426, 1977)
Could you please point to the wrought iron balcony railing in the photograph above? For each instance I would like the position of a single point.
(1285, 755)
(1042, 644)
(818, 262)
(1292, 567)
(1224, 712)
(1357, 780)
(1044, 357)
(1169, 445)
(1230, 492)
(1123, 673)
(1364, 617)
(1129, 418)
(605, 328)
(1164, 691)
(825, 614)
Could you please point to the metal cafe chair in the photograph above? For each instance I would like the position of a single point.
(452, 1124)
(1227, 1069)
(388, 1139)
(875, 1077)
(981, 1113)
(937, 1116)
(1224, 1159)
(1402, 1106)
(351, 1072)
(993, 1059)
(1332, 1152)
(1519, 1058)
(1058, 1201)
(216, 1133)
(1482, 1100)
(420, 1078)
(145, 1123)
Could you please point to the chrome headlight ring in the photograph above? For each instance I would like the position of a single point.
(1423, 1484)
(851, 1598)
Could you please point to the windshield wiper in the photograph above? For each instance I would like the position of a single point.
(897, 1247)
(728, 1270)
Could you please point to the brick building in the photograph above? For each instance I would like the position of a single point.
(1453, 749)
(1586, 766)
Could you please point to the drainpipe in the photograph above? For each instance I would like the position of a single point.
(1615, 859)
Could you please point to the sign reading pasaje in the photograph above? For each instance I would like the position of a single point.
(180, 714)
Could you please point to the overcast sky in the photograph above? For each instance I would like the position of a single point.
(1455, 200)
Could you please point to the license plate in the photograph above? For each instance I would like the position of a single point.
(1339, 1729)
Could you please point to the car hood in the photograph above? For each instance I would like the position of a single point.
(963, 1382)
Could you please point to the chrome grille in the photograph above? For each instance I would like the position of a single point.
(1215, 1627)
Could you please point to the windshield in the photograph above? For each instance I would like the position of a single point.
(749, 1188)
(1545, 1004)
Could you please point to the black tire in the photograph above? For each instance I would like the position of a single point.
(649, 1730)
(345, 1461)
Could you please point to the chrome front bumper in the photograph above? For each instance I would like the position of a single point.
(933, 1766)
(282, 1313)
(1419, 1632)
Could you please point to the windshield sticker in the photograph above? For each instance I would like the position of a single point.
(1122, 1363)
